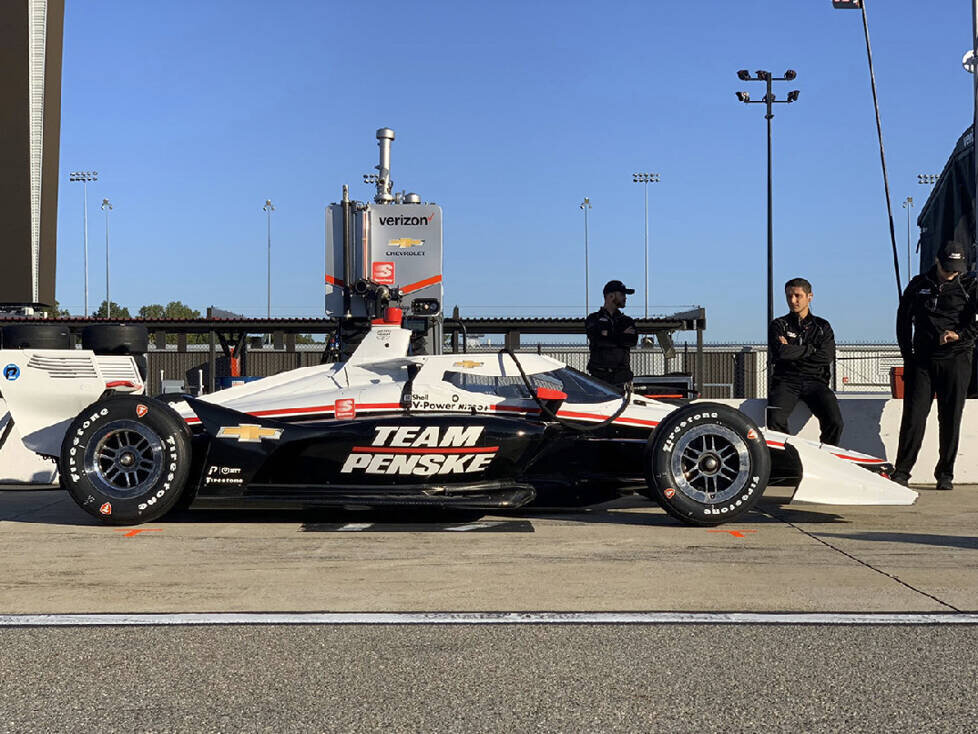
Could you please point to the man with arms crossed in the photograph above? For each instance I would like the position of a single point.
(611, 335)
(801, 347)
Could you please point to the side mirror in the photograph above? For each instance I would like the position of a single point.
(546, 393)
(551, 398)
(407, 393)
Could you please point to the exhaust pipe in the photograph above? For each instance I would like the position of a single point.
(385, 136)
(347, 254)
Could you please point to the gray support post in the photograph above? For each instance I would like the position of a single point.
(699, 359)
(212, 363)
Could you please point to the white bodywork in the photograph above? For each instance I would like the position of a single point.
(373, 381)
(46, 388)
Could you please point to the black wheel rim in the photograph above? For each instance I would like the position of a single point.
(124, 459)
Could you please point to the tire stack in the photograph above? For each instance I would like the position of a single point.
(118, 339)
(34, 335)
(114, 339)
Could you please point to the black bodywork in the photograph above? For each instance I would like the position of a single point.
(452, 460)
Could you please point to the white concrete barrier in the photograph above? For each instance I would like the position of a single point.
(873, 427)
(18, 464)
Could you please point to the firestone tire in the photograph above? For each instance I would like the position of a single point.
(707, 464)
(125, 460)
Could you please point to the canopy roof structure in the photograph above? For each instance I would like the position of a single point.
(949, 212)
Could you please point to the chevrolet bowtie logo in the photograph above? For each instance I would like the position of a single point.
(467, 364)
(404, 242)
(250, 433)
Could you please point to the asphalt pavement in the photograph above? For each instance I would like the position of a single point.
(538, 677)
(672, 678)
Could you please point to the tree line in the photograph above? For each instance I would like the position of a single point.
(173, 310)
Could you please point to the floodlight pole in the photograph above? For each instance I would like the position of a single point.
(646, 178)
(85, 177)
(585, 205)
(861, 5)
(879, 134)
(768, 101)
(769, 98)
(85, 220)
(908, 205)
(268, 209)
(107, 207)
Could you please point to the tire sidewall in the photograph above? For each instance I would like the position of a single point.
(663, 483)
(175, 457)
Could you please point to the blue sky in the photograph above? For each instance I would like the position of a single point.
(507, 114)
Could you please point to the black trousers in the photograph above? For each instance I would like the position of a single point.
(616, 376)
(785, 394)
(949, 378)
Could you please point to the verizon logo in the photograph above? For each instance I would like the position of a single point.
(404, 221)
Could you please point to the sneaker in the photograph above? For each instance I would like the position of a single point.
(901, 478)
(944, 483)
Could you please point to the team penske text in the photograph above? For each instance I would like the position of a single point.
(421, 451)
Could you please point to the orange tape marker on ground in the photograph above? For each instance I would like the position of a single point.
(136, 531)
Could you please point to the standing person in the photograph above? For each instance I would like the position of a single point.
(936, 331)
(802, 349)
(611, 335)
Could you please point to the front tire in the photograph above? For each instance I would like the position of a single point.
(707, 464)
(125, 460)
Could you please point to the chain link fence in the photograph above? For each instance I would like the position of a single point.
(729, 370)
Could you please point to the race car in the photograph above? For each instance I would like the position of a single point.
(471, 432)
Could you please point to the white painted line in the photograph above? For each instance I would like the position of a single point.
(480, 618)
(354, 526)
(473, 526)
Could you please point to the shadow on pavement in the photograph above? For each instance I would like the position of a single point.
(943, 541)
(782, 513)
(627, 510)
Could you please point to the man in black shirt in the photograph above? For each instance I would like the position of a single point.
(801, 347)
(936, 331)
(611, 335)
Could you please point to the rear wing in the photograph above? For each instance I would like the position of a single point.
(46, 388)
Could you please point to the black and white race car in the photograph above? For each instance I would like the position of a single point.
(474, 432)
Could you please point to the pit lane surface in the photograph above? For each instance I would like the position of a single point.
(622, 556)
(619, 557)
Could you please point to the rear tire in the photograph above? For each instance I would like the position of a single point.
(126, 459)
(707, 464)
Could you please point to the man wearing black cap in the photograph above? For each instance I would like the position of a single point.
(936, 331)
(611, 335)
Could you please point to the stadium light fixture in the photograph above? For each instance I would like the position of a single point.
(768, 100)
